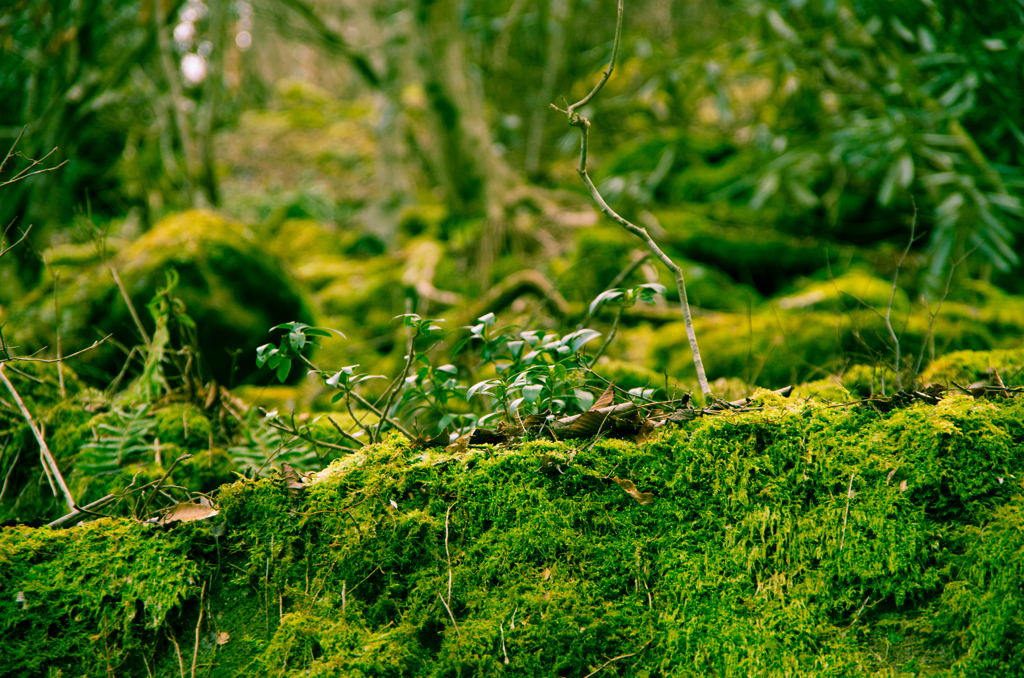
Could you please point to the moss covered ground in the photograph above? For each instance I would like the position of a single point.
(798, 540)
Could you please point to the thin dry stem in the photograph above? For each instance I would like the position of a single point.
(48, 460)
(131, 309)
(394, 391)
(195, 651)
(846, 513)
(576, 120)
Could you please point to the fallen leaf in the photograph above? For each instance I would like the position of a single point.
(644, 433)
(630, 488)
(903, 486)
(223, 637)
(186, 513)
(589, 423)
(293, 481)
(889, 477)
(546, 574)
(461, 443)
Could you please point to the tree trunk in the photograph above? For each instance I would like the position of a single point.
(473, 177)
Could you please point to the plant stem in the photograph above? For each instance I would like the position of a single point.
(394, 391)
(577, 120)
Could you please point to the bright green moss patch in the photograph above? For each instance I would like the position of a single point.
(89, 598)
(800, 540)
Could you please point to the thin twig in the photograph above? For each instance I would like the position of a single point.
(5, 250)
(615, 659)
(401, 381)
(933, 315)
(892, 296)
(57, 360)
(846, 513)
(450, 615)
(56, 322)
(131, 309)
(11, 469)
(576, 120)
(79, 510)
(343, 433)
(608, 73)
(195, 651)
(48, 459)
(161, 483)
(177, 650)
(610, 336)
(446, 552)
(618, 280)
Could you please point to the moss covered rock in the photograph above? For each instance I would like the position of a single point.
(231, 287)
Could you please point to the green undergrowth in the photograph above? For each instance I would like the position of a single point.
(800, 540)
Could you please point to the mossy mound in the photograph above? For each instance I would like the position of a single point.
(790, 344)
(967, 367)
(796, 541)
(231, 287)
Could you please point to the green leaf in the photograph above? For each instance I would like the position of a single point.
(283, 369)
(532, 392)
(607, 295)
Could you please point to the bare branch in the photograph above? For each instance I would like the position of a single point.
(576, 120)
(48, 460)
(56, 360)
(608, 73)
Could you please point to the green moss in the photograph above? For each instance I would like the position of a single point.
(183, 425)
(778, 347)
(752, 560)
(96, 596)
(855, 289)
(967, 367)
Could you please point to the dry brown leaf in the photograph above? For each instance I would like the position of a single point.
(644, 433)
(588, 423)
(889, 477)
(546, 574)
(903, 486)
(630, 488)
(461, 443)
(186, 513)
(293, 481)
(223, 637)
(607, 398)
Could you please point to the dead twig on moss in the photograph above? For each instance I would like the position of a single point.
(577, 120)
(450, 615)
(343, 433)
(56, 360)
(131, 309)
(846, 513)
(161, 483)
(11, 469)
(195, 651)
(49, 463)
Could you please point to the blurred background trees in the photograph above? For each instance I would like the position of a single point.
(811, 123)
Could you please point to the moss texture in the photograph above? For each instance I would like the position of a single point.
(752, 560)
